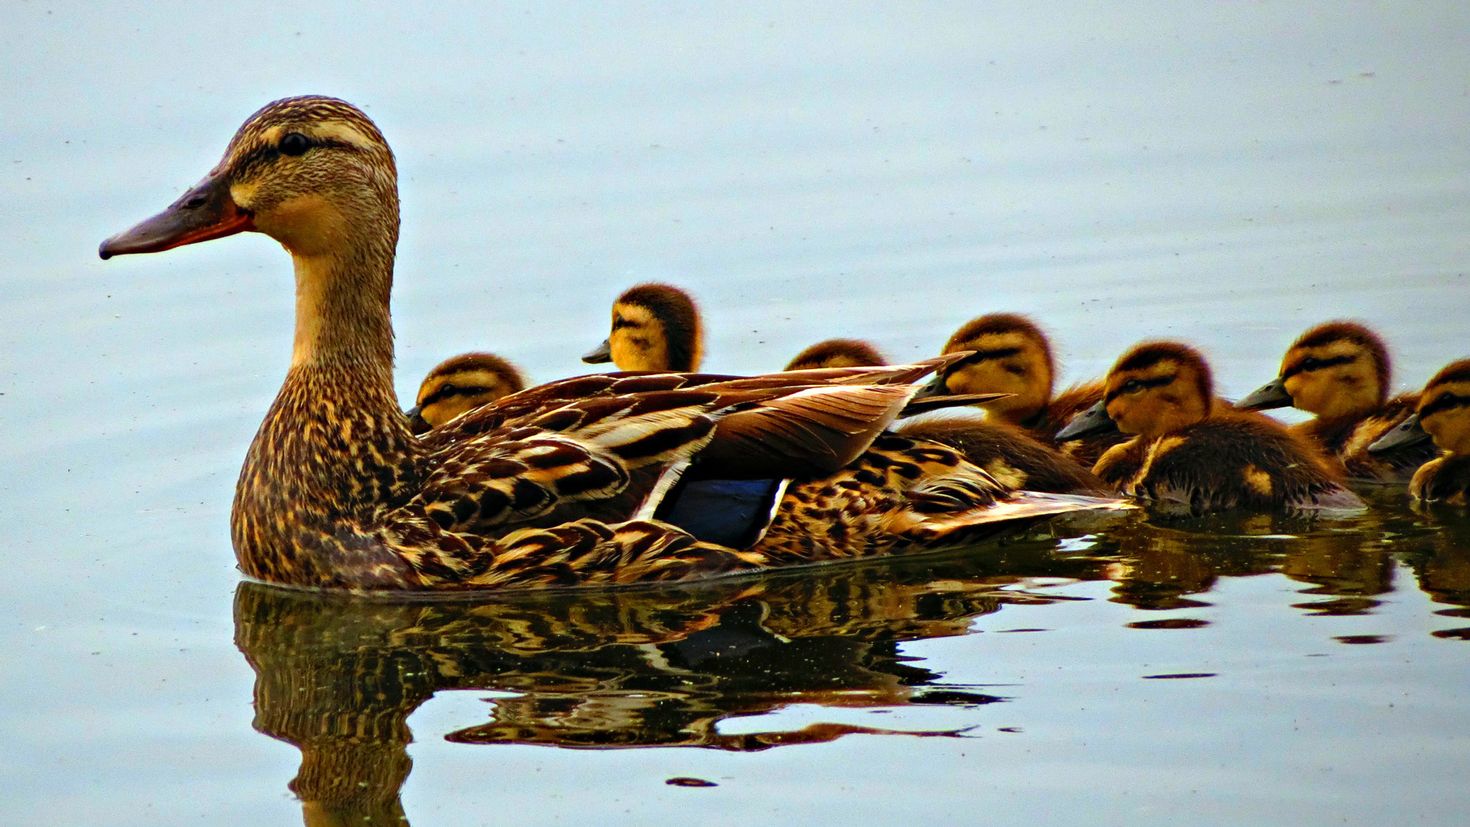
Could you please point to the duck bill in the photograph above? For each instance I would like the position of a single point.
(1270, 395)
(600, 354)
(203, 213)
(1406, 433)
(1094, 420)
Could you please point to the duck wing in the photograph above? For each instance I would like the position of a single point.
(604, 455)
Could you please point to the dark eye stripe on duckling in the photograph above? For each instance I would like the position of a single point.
(444, 392)
(1444, 402)
(1312, 363)
(1139, 384)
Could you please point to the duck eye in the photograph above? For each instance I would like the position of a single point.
(294, 144)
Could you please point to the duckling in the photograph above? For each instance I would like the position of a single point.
(462, 383)
(837, 353)
(1012, 355)
(1192, 453)
(1341, 372)
(1443, 416)
(654, 327)
(607, 479)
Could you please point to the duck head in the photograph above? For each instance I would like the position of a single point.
(315, 174)
(1157, 388)
(1011, 355)
(837, 353)
(460, 384)
(1336, 370)
(1443, 414)
(654, 327)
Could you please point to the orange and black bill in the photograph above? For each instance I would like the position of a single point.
(205, 212)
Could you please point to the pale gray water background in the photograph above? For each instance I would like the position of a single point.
(1225, 173)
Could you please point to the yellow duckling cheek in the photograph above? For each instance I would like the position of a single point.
(1450, 430)
(635, 351)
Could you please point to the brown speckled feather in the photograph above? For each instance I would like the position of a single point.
(1009, 454)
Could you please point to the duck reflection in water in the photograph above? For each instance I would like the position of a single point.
(673, 666)
(337, 676)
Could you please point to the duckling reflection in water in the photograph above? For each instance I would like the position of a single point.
(462, 383)
(657, 327)
(1191, 453)
(1443, 417)
(1341, 372)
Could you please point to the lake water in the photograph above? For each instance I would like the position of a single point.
(1229, 174)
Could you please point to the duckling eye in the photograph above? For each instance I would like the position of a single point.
(620, 322)
(294, 144)
(1131, 386)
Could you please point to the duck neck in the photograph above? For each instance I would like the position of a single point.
(342, 315)
(335, 449)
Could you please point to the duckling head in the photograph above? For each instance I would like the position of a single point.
(654, 327)
(1158, 387)
(1011, 355)
(1444, 408)
(837, 353)
(460, 384)
(1336, 370)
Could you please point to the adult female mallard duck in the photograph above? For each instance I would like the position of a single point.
(1010, 354)
(462, 383)
(1341, 372)
(1442, 416)
(658, 327)
(837, 353)
(1191, 452)
(579, 481)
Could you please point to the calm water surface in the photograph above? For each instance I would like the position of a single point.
(1226, 174)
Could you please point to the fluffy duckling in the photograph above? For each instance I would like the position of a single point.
(1341, 372)
(1443, 415)
(1190, 452)
(462, 383)
(837, 353)
(1012, 355)
(654, 327)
